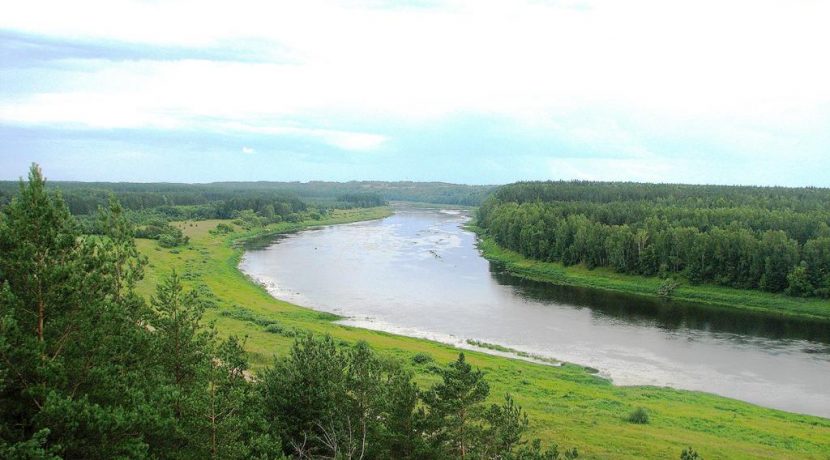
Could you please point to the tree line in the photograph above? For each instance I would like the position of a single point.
(770, 238)
(89, 369)
(151, 207)
(85, 197)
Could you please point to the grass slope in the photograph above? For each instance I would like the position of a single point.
(607, 279)
(566, 404)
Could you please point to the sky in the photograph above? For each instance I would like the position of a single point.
(466, 91)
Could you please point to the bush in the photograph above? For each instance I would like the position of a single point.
(168, 241)
(276, 328)
(222, 229)
(172, 237)
(248, 219)
(690, 454)
(638, 416)
(667, 287)
(421, 358)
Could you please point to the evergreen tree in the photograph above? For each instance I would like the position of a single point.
(72, 353)
(233, 408)
(303, 395)
(183, 350)
(454, 408)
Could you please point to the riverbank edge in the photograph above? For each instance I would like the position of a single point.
(566, 404)
(603, 279)
(238, 242)
(286, 228)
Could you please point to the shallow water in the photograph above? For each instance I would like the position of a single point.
(419, 273)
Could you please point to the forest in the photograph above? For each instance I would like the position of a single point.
(768, 238)
(152, 207)
(219, 200)
(89, 369)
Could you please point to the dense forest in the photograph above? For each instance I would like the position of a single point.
(89, 369)
(770, 238)
(219, 200)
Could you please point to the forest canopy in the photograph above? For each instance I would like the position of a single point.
(769, 238)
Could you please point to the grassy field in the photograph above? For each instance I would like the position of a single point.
(604, 278)
(566, 404)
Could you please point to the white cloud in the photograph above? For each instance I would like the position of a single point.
(347, 140)
(351, 141)
(247, 150)
(646, 168)
(752, 58)
(739, 63)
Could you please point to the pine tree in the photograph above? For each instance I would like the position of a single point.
(183, 350)
(454, 410)
(72, 356)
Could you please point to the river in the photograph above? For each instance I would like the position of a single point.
(419, 273)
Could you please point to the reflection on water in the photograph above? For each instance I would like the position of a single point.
(668, 314)
(419, 273)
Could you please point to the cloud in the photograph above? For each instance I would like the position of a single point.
(497, 57)
(347, 140)
(28, 50)
(640, 169)
(351, 141)
(632, 85)
(247, 150)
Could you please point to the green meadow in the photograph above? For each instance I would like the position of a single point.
(567, 404)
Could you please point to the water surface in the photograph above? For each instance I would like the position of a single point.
(419, 273)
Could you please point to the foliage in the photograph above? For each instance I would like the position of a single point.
(743, 237)
(690, 454)
(89, 369)
(361, 200)
(329, 401)
(639, 416)
(421, 358)
(667, 287)
(752, 301)
(798, 281)
(168, 236)
(222, 229)
(267, 199)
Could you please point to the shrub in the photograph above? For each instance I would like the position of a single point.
(690, 454)
(167, 235)
(421, 358)
(667, 287)
(276, 328)
(222, 229)
(248, 219)
(638, 416)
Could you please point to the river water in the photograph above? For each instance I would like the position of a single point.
(419, 273)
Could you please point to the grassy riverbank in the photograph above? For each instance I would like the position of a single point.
(566, 404)
(607, 279)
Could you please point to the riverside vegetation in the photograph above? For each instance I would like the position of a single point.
(97, 378)
(749, 247)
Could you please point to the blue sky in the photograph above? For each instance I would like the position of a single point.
(470, 91)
